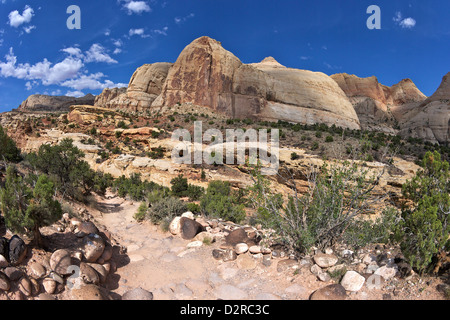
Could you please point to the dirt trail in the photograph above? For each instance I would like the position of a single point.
(164, 265)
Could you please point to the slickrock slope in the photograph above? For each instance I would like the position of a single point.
(44, 103)
(144, 87)
(431, 119)
(379, 107)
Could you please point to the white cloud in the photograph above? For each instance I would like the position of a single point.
(92, 82)
(184, 19)
(137, 7)
(97, 53)
(16, 19)
(28, 29)
(162, 31)
(138, 32)
(75, 94)
(73, 51)
(117, 51)
(407, 23)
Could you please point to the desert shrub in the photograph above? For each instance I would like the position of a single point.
(142, 212)
(294, 156)
(330, 211)
(134, 187)
(329, 139)
(164, 210)
(220, 202)
(27, 208)
(8, 148)
(424, 229)
(193, 207)
(181, 188)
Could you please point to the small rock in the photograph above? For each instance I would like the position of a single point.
(37, 270)
(329, 251)
(287, 264)
(5, 285)
(189, 228)
(106, 255)
(137, 294)
(324, 277)
(35, 287)
(13, 273)
(316, 270)
(45, 296)
(93, 247)
(188, 215)
(25, 286)
(330, 292)
(87, 227)
(101, 271)
(205, 237)
(88, 274)
(194, 244)
(3, 261)
(218, 254)
(229, 255)
(17, 250)
(60, 261)
(237, 236)
(241, 248)
(386, 272)
(246, 262)
(175, 226)
(325, 260)
(352, 281)
(49, 285)
(87, 292)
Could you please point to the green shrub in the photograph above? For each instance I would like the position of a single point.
(424, 231)
(219, 202)
(329, 139)
(331, 210)
(141, 214)
(163, 211)
(8, 148)
(193, 207)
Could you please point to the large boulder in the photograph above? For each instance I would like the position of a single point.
(330, 292)
(189, 228)
(60, 261)
(93, 247)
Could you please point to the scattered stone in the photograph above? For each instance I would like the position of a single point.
(4, 247)
(324, 277)
(337, 268)
(205, 237)
(87, 227)
(330, 292)
(101, 271)
(45, 296)
(137, 294)
(37, 270)
(267, 260)
(3, 261)
(189, 228)
(194, 244)
(386, 272)
(87, 292)
(325, 260)
(35, 287)
(241, 248)
(60, 261)
(255, 249)
(25, 286)
(316, 270)
(175, 226)
(17, 250)
(188, 215)
(246, 262)
(93, 247)
(13, 273)
(49, 285)
(106, 255)
(5, 285)
(218, 254)
(287, 264)
(88, 274)
(369, 258)
(352, 281)
(236, 236)
(371, 268)
(229, 255)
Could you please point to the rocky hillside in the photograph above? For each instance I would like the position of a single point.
(45, 103)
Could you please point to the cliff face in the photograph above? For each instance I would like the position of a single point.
(379, 107)
(44, 103)
(430, 120)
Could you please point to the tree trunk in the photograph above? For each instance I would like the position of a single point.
(38, 239)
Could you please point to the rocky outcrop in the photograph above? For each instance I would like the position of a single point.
(103, 99)
(44, 103)
(379, 107)
(206, 74)
(144, 87)
(430, 120)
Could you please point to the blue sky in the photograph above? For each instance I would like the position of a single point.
(39, 54)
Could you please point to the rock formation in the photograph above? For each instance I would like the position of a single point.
(44, 103)
(430, 120)
(379, 107)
